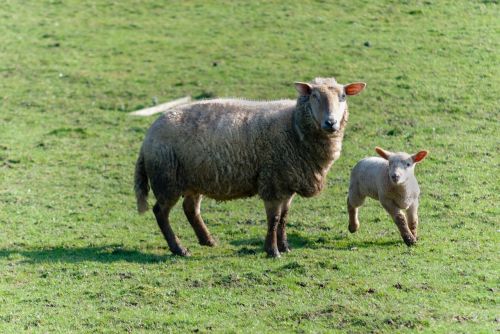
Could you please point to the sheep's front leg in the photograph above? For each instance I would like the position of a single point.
(413, 218)
(273, 212)
(400, 219)
(281, 233)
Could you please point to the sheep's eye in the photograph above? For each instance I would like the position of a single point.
(408, 164)
(316, 97)
(342, 97)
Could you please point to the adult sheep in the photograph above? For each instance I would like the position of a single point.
(230, 148)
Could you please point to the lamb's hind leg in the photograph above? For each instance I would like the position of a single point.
(413, 218)
(354, 201)
(161, 211)
(191, 206)
(353, 217)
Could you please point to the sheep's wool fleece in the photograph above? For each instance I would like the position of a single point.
(231, 148)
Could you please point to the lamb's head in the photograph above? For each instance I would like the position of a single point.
(326, 99)
(401, 165)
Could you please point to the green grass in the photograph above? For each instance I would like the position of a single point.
(75, 256)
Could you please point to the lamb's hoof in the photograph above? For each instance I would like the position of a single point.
(410, 241)
(210, 242)
(274, 253)
(353, 228)
(180, 251)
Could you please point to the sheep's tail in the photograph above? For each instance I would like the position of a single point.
(141, 185)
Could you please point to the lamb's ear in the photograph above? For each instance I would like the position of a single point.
(383, 153)
(417, 157)
(303, 88)
(354, 88)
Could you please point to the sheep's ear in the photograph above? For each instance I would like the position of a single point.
(354, 88)
(417, 157)
(303, 88)
(383, 153)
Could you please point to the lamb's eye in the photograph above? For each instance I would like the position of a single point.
(342, 97)
(316, 97)
(408, 164)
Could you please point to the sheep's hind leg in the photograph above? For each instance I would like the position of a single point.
(191, 206)
(282, 241)
(353, 217)
(161, 211)
(273, 212)
(400, 219)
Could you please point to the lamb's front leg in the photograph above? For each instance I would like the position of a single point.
(273, 212)
(400, 219)
(281, 233)
(413, 218)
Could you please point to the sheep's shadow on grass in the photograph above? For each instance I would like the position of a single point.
(352, 244)
(102, 254)
(118, 253)
(252, 246)
(340, 241)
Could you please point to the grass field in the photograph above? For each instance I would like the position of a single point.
(75, 256)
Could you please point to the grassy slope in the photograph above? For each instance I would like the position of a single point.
(74, 256)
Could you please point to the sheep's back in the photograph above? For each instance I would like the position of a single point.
(216, 142)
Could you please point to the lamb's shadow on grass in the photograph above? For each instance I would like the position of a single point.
(340, 241)
(103, 254)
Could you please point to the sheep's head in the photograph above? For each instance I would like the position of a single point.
(401, 165)
(327, 100)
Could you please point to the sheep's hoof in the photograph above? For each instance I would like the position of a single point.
(274, 253)
(210, 242)
(284, 249)
(410, 241)
(180, 251)
(353, 228)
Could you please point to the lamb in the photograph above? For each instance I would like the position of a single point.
(230, 148)
(391, 180)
